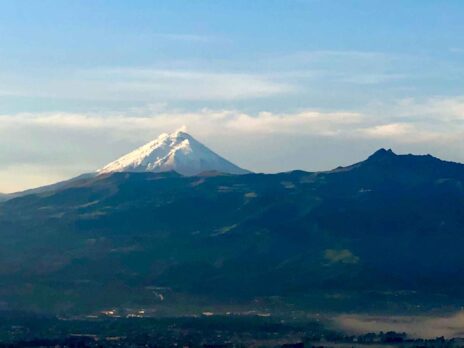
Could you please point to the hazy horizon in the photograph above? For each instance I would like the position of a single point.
(334, 166)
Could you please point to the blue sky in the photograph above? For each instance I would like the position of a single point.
(312, 84)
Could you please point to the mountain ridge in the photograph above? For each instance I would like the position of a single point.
(380, 154)
(344, 238)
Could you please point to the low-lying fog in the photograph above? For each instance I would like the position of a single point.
(415, 326)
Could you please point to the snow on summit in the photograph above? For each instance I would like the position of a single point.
(178, 152)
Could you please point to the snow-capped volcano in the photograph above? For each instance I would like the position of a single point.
(178, 152)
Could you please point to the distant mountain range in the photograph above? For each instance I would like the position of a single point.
(385, 233)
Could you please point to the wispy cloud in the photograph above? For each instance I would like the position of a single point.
(186, 37)
(204, 122)
(151, 85)
(371, 78)
(404, 126)
(389, 130)
(89, 140)
(444, 109)
(189, 85)
(344, 67)
(397, 119)
(344, 55)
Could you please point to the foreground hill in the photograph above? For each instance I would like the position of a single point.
(384, 232)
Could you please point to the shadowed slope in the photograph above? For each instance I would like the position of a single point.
(389, 226)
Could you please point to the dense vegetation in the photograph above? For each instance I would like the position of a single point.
(386, 233)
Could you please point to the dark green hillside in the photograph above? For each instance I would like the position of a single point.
(348, 238)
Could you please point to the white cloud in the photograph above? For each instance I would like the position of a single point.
(444, 109)
(71, 143)
(148, 85)
(202, 122)
(306, 122)
(389, 130)
(405, 133)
